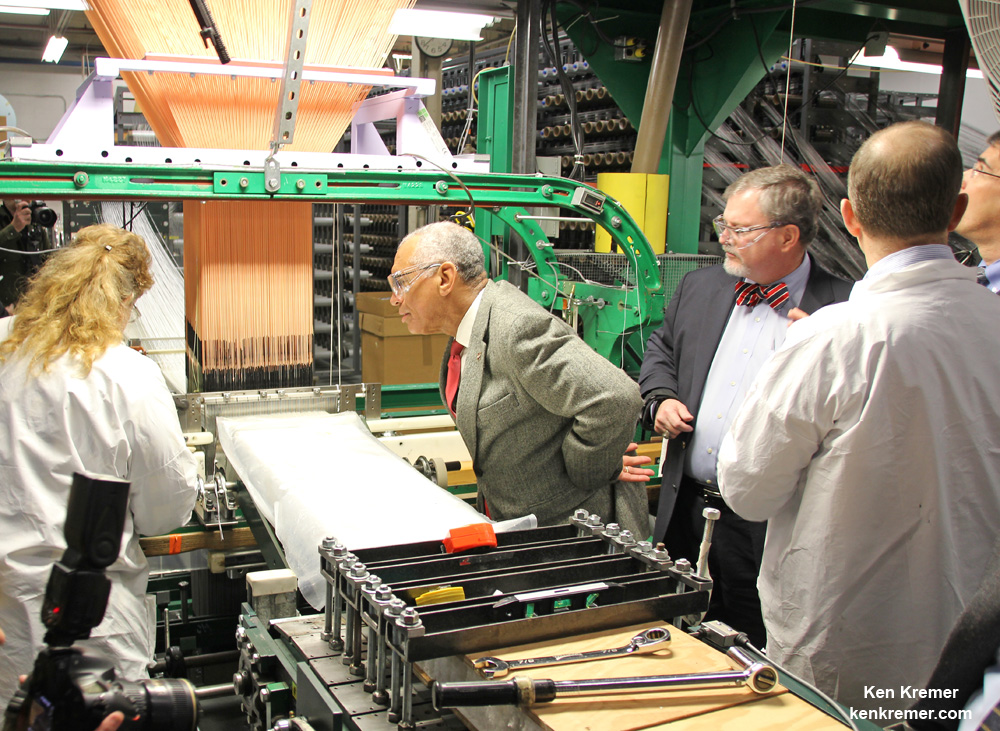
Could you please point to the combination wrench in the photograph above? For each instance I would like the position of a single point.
(654, 638)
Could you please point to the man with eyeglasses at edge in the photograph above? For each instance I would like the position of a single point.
(545, 418)
(720, 326)
(981, 222)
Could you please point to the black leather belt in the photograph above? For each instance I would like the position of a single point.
(710, 492)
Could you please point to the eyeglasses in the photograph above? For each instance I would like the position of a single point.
(401, 281)
(977, 169)
(739, 235)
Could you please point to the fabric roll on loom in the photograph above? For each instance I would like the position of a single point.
(313, 475)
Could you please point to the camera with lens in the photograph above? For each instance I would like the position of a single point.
(42, 215)
(73, 688)
(35, 236)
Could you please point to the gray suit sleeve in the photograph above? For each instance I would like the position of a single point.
(566, 377)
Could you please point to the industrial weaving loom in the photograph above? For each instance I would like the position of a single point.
(405, 596)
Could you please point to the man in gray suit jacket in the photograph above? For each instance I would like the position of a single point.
(700, 363)
(546, 419)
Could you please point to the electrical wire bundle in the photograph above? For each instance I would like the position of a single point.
(551, 45)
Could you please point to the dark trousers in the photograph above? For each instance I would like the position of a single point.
(733, 561)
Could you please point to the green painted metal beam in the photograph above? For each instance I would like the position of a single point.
(505, 196)
(494, 137)
(707, 93)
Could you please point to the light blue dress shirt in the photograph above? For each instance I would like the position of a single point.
(992, 272)
(751, 336)
(907, 257)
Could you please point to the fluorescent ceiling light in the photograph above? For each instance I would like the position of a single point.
(54, 49)
(48, 4)
(23, 11)
(891, 61)
(438, 24)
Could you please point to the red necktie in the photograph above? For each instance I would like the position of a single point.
(750, 294)
(454, 375)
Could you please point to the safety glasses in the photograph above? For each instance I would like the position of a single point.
(401, 281)
(739, 236)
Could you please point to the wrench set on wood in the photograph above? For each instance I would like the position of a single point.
(530, 586)
(522, 691)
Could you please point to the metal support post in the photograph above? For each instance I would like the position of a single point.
(387, 620)
(951, 91)
(356, 286)
(525, 118)
(369, 612)
(660, 88)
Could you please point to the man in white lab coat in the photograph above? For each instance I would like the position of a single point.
(74, 398)
(870, 441)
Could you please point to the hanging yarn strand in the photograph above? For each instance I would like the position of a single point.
(160, 324)
(251, 323)
(238, 113)
(248, 266)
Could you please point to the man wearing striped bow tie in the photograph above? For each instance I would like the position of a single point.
(722, 323)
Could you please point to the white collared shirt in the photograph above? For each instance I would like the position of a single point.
(464, 334)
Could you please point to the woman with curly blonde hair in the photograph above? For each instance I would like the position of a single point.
(75, 398)
(81, 303)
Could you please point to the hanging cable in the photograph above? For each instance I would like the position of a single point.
(554, 54)
(472, 202)
(788, 79)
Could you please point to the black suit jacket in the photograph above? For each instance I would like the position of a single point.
(680, 353)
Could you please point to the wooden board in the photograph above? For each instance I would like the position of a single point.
(786, 712)
(210, 539)
(690, 709)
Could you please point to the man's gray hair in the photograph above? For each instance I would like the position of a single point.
(993, 139)
(446, 241)
(787, 195)
(904, 181)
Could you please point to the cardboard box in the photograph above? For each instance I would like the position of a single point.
(377, 303)
(389, 353)
(383, 327)
(401, 359)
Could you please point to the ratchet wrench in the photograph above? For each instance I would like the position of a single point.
(654, 638)
(522, 691)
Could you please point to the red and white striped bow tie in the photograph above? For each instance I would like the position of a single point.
(750, 294)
